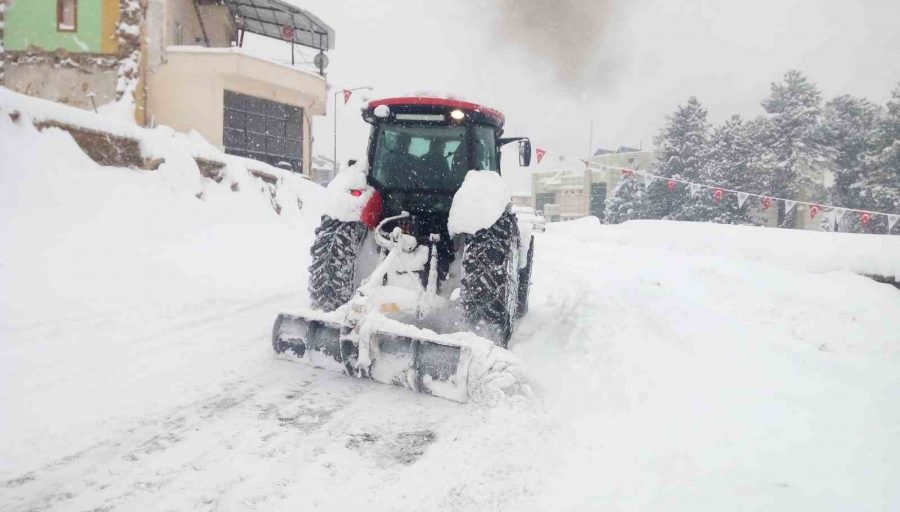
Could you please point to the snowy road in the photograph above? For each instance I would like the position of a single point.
(244, 431)
(679, 367)
(667, 380)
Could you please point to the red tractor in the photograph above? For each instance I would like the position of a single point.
(392, 278)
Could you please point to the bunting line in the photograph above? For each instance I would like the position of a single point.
(694, 188)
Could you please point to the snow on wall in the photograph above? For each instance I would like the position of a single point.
(155, 144)
(478, 203)
(78, 236)
(812, 251)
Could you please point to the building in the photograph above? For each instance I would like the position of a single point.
(322, 170)
(571, 193)
(178, 63)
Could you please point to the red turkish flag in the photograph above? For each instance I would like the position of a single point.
(865, 218)
(718, 194)
(766, 201)
(671, 185)
(813, 211)
(539, 153)
(347, 96)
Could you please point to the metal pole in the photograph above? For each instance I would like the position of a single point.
(335, 133)
(591, 140)
(341, 91)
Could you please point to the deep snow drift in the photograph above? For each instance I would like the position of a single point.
(678, 366)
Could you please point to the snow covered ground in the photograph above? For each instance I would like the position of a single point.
(675, 371)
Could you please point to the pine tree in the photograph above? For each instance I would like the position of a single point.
(880, 189)
(849, 128)
(626, 202)
(681, 144)
(794, 108)
(731, 161)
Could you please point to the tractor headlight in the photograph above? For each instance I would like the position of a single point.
(457, 114)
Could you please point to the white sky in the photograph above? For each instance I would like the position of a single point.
(652, 55)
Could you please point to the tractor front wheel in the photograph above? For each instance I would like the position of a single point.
(489, 287)
(334, 254)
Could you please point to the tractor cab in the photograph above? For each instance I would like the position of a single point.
(421, 148)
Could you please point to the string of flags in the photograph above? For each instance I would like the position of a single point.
(718, 193)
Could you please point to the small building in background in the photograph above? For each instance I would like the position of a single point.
(521, 199)
(321, 170)
(574, 191)
(178, 63)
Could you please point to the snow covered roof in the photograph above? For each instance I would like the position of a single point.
(271, 18)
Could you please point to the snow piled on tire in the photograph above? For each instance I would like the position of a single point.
(478, 203)
(340, 204)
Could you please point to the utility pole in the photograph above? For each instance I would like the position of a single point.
(591, 140)
(341, 91)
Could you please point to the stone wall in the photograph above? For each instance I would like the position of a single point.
(74, 78)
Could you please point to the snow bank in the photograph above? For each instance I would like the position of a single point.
(811, 251)
(478, 203)
(78, 237)
(694, 366)
(45, 110)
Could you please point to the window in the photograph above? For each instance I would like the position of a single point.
(598, 199)
(485, 149)
(410, 157)
(264, 130)
(66, 15)
(543, 199)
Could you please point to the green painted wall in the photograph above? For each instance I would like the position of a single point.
(33, 23)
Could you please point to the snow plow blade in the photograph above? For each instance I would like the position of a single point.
(432, 366)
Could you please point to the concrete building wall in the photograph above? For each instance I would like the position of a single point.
(614, 162)
(183, 25)
(187, 91)
(32, 24)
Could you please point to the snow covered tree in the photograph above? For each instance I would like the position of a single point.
(880, 188)
(794, 108)
(681, 144)
(731, 161)
(849, 127)
(626, 202)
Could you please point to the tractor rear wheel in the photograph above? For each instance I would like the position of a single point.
(525, 281)
(489, 287)
(334, 255)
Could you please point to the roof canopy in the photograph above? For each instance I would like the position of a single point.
(277, 19)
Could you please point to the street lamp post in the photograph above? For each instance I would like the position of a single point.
(340, 91)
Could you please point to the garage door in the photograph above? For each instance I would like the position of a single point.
(264, 130)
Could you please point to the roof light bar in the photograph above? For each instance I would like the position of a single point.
(420, 117)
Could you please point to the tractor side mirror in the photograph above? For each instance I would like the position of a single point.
(524, 152)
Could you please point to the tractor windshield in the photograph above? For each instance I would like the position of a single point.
(420, 157)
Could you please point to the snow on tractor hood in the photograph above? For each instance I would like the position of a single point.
(478, 203)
